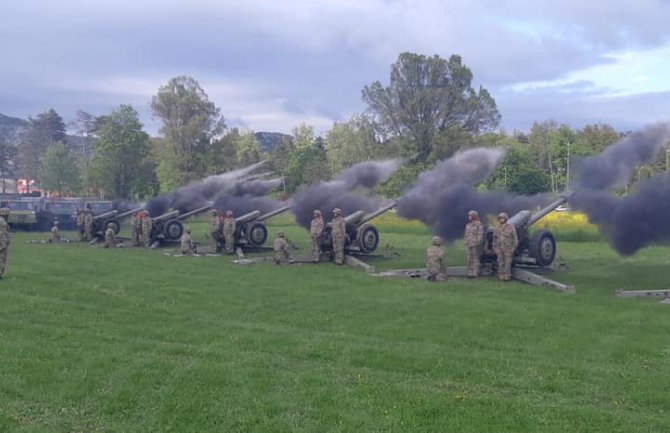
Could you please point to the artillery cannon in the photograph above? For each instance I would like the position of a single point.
(250, 231)
(112, 218)
(538, 248)
(169, 227)
(361, 237)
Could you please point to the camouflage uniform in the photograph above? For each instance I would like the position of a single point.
(473, 239)
(88, 224)
(215, 231)
(146, 229)
(505, 241)
(135, 229)
(229, 226)
(435, 261)
(338, 234)
(80, 224)
(281, 246)
(110, 241)
(187, 246)
(316, 234)
(4, 239)
(55, 234)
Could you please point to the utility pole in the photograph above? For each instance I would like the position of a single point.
(567, 175)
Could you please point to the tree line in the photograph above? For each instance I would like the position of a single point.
(428, 111)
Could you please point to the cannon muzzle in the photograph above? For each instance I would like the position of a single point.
(273, 213)
(248, 217)
(166, 216)
(194, 212)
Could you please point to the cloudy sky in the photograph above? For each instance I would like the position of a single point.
(270, 65)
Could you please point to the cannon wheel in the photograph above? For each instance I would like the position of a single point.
(173, 230)
(368, 239)
(542, 247)
(257, 234)
(116, 226)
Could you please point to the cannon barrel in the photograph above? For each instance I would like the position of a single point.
(248, 217)
(547, 210)
(167, 216)
(105, 215)
(128, 212)
(273, 213)
(375, 214)
(354, 218)
(194, 212)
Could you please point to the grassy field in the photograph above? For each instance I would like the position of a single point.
(129, 340)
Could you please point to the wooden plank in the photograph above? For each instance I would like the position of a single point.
(662, 293)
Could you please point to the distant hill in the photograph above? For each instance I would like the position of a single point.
(267, 141)
(11, 128)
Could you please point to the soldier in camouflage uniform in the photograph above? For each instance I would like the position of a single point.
(338, 234)
(88, 223)
(4, 239)
(80, 224)
(229, 226)
(435, 261)
(110, 237)
(316, 234)
(146, 224)
(505, 241)
(473, 239)
(187, 246)
(215, 231)
(281, 247)
(55, 233)
(135, 229)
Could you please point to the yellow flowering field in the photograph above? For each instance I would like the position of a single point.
(569, 226)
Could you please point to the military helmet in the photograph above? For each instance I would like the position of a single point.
(229, 213)
(337, 211)
(503, 215)
(213, 212)
(473, 213)
(280, 233)
(4, 211)
(317, 212)
(188, 230)
(437, 241)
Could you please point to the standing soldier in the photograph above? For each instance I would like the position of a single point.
(435, 261)
(187, 247)
(505, 241)
(215, 231)
(135, 229)
(146, 228)
(338, 233)
(88, 223)
(55, 233)
(229, 226)
(474, 236)
(4, 239)
(281, 246)
(110, 241)
(80, 224)
(316, 234)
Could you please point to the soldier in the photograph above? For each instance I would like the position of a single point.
(80, 224)
(146, 224)
(229, 227)
(110, 241)
(4, 239)
(135, 229)
(473, 239)
(338, 233)
(316, 234)
(215, 231)
(187, 247)
(88, 223)
(435, 261)
(505, 241)
(55, 233)
(281, 246)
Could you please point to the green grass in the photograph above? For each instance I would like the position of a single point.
(129, 340)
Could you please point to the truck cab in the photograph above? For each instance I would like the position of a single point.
(23, 214)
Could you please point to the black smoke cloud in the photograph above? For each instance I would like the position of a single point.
(442, 197)
(344, 192)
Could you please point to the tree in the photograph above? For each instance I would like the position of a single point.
(7, 155)
(60, 172)
(190, 124)
(426, 97)
(351, 142)
(44, 131)
(85, 126)
(120, 165)
(307, 165)
(248, 151)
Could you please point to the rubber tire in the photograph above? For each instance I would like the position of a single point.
(256, 234)
(173, 230)
(368, 239)
(542, 247)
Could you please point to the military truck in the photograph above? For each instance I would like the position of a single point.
(23, 213)
(62, 209)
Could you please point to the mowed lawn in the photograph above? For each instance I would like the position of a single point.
(130, 340)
